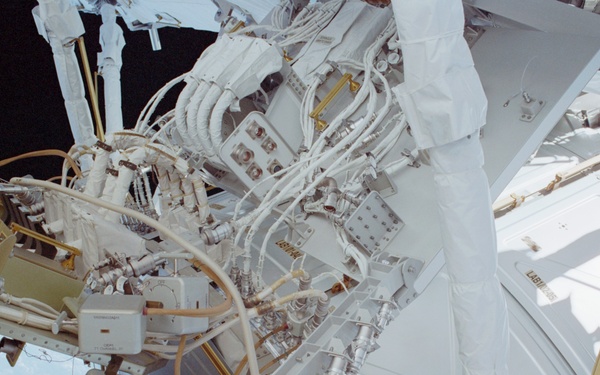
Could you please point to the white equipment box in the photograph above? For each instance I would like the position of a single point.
(177, 293)
(112, 324)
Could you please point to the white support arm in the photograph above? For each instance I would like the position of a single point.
(60, 24)
(109, 66)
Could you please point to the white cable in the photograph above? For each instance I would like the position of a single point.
(148, 110)
(204, 258)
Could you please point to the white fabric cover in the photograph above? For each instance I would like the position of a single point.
(445, 105)
(442, 95)
(468, 236)
(260, 60)
(59, 23)
(346, 37)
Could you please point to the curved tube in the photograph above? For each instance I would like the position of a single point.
(273, 287)
(204, 258)
(203, 116)
(192, 113)
(179, 355)
(216, 118)
(32, 154)
(182, 102)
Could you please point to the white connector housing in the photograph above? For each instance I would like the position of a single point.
(177, 293)
(112, 324)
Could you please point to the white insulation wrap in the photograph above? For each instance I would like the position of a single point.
(349, 33)
(442, 95)
(259, 60)
(59, 23)
(468, 236)
(445, 105)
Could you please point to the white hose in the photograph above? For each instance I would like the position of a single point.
(200, 255)
(143, 119)
(191, 117)
(203, 117)
(180, 109)
(216, 118)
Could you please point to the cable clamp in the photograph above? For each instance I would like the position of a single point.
(112, 172)
(104, 146)
(128, 164)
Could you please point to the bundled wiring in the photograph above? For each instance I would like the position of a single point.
(179, 240)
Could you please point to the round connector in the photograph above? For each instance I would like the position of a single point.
(269, 145)
(256, 131)
(242, 154)
(254, 172)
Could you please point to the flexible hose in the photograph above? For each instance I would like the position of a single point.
(179, 355)
(276, 285)
(216, 118)
(51, 152)
(203, 117)
(191, 117)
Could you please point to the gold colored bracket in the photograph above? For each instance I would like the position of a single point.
(68, 263)
(316, 113)
(237, 26)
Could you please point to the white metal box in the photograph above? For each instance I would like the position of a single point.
(112, 324)
(177, 293)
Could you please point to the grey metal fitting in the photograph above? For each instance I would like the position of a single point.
(337, 366)
(247, 287)
(320, 314)
(305, 283)
(218, 234)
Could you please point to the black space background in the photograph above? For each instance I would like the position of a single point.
(32, 112)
